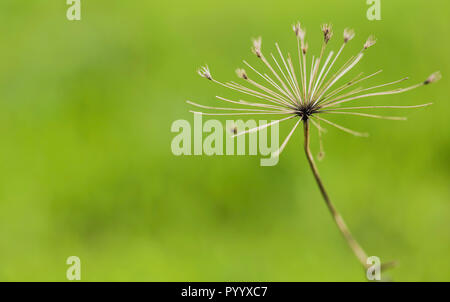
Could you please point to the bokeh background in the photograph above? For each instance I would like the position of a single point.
(86, 166)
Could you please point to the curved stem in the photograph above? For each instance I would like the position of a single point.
(354, 245)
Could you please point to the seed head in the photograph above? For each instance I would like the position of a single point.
(204, 72)
(305, 48)
(299, 31)
(241, 73)
(370, 42)
(321, 155)
(327, 32)
(434, 77)
(305, 101)
(348, 34)
(257, 47)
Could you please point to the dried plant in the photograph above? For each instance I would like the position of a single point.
(306, 95)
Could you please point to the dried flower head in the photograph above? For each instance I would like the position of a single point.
(257, 47)
(299, 32)
(434, 77)
(305, 48)
(298, 94)
(370, 42)
(204, 72)
(241, 73)
(327, 32)
(348, 34)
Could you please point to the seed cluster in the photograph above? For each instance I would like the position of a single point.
(306, 91)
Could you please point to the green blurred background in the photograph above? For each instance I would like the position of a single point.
(85, 114)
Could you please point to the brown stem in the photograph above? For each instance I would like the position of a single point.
(354, 245)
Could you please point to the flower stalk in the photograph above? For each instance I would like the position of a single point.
(351, 241)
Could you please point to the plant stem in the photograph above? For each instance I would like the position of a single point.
(354, 245)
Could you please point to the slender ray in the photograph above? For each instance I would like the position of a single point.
(355, 133)
(278, 152)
